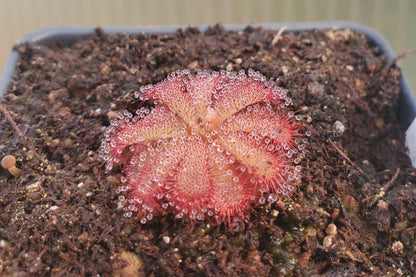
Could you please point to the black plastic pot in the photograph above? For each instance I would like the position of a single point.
(67, 35)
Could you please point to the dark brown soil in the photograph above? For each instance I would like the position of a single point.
(354, 214)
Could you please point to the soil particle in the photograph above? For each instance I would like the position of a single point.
(353, 215)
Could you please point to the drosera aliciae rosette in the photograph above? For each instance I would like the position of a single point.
(206, 145)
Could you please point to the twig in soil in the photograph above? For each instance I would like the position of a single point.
(11, 121)
(278, 36)
(383, 189)
(389, 183)
(14, 125)
(411, 228)
(400, 56)
(344, 155)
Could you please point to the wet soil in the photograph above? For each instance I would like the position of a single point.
(353, 215)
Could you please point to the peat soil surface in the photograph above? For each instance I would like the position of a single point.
(354, 213)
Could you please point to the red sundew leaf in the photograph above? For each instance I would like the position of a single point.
(160, 123)
(263, 121)
(237, 97)
(174, 95)
(232, 191)
(147, 174)
(251, 153)
(193, 178)
(231, 198)
(238, 94)
(201, 93)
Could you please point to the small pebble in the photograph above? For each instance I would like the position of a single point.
(53, 208)
(54, 143)
(132, 264)
(68, 142)
(328, 241)
(97, 112)
(382, 205)
(166, 239)
(339, 127)
(34, 186)
(3, 243)
(311, 231)
(331, 229)
(397, 247)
